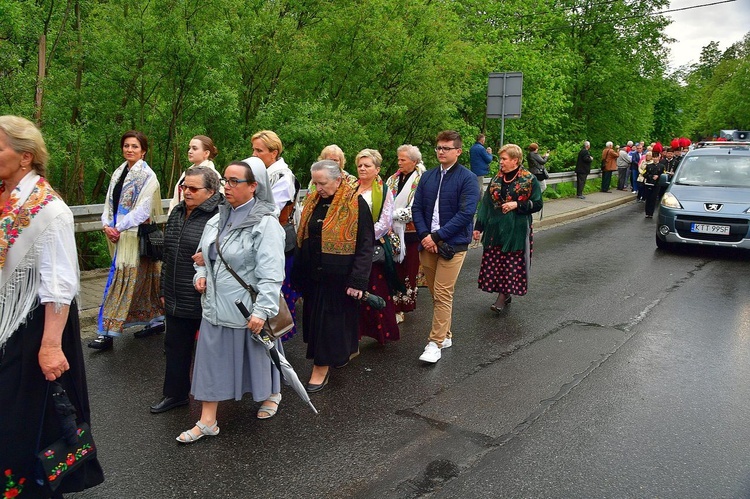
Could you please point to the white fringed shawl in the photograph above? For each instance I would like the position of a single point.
(38, 261)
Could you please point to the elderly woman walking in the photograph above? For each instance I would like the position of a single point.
(331, 267)
(244, 236)
(131, 294)
(200, 200)
(402, 185)
(40, 339)
(504, 225)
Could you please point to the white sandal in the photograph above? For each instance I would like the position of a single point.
(187, 437)
(270, 410)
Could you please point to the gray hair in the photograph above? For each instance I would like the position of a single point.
(210, 178)
(329, 166)
(586, 143)
(630, 142)
(609, 143)
(411, 151)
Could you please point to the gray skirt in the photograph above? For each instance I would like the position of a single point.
(229, 363)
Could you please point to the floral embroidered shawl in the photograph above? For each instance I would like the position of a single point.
(341, 222)
(33, 208)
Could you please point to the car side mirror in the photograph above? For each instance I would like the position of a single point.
(663, 179)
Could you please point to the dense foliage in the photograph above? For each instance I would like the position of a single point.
(370, 73)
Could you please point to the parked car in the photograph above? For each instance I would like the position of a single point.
(707, 201)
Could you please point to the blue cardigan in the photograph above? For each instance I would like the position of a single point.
(459, 196)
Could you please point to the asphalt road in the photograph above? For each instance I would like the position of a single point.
(621, 374)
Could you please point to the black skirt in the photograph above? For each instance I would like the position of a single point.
(330, 320)
(22, 393)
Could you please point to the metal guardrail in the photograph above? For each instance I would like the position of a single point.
(88, 216)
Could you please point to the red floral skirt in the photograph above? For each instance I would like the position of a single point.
(407, 273)
(378, 324)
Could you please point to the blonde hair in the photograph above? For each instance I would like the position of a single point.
(23, 136)
(270, 140)
(373, 154)
(333, 150)
(513, 151)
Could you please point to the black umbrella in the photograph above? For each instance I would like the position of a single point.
(374, 301)
(285, 368)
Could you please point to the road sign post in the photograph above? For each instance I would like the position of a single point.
(504, 91)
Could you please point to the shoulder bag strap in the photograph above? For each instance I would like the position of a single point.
(239, 279)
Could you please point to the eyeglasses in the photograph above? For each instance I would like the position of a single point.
(191, 188)
(446, 149)
(231, 182)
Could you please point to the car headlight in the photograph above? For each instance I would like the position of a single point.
(669, 201)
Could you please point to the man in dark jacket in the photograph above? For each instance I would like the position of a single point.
(583, 168)
(181, 302)
(443, 213)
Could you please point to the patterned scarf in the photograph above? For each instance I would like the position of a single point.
(341, 222)
(518, 189)
(377, 198)
(134, 181)
(32, 208)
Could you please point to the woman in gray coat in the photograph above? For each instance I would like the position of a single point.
(247, 237)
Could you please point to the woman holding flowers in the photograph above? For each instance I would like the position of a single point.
(504, 225)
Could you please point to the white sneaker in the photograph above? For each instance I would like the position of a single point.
(447, 343)
(431, 353)
(399, 317)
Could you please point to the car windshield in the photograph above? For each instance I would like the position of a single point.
(722, 170)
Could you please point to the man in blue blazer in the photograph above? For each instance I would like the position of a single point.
(443, 213)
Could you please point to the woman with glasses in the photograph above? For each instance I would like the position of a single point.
(403, 185)
(201, 152)
(504, 225)
(245, 236)
(181, 301)
(131, 295)
(268, 147)
(378, 324)
(331, 268)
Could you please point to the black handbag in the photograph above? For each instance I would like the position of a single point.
(150, 241)
(72, 450)
(445, 250)
(378, 254)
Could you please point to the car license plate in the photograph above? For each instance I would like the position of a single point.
(710, 229)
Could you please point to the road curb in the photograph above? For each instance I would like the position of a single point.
(582, 212)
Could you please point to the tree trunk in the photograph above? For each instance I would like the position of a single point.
(41, 73)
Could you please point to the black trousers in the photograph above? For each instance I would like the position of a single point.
(650, 195)
(179, 342)
(580, 183)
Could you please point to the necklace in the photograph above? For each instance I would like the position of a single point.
(508, 181)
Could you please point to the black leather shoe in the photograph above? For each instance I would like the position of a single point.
(168, 403)
(149, 331)
(312, 388)
(101, 343)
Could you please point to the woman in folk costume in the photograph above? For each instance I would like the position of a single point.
(331, 267)
(267, 147)
(378, 324)
(40, 337)
(402, 185)
(201, 152)
(505, 219)
(131, 295)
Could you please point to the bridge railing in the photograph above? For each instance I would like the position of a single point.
(88, 216)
